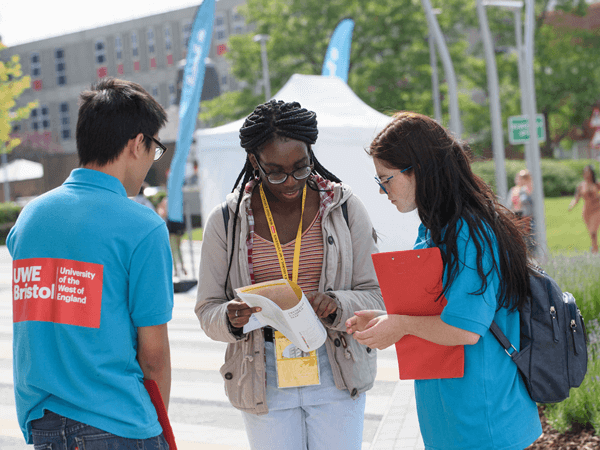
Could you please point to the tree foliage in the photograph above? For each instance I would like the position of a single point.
(12, 85)
(390, 62)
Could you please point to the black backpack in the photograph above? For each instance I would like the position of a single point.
(553, 354)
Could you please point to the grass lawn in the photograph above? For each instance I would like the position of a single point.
(196, 235)
(565, 231)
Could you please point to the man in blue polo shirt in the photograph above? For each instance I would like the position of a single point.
(92, 286)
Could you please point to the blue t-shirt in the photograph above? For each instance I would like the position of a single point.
(489, 407)
(89, 267)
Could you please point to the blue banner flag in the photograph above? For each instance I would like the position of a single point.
(191, 90)
(337, 58)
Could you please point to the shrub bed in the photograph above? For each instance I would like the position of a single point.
(575, 422)
(8, 216)
(560, 177)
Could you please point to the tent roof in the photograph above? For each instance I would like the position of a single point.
(346, 127)
(336, 105)
(21, 169)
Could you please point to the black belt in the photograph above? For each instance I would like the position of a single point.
(268, 332)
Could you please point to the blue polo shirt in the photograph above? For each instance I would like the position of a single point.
(90, 266)
(489, 407)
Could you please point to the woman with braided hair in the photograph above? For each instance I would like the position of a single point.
(283, 182)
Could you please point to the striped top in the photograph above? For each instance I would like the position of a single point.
(266, 264)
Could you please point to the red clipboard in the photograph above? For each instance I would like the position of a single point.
(410, 282)
(161, 412)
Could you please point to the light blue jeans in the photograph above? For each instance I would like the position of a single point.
(308, 417)
(55, 432)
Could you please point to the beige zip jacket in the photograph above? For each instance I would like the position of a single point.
(348, 275)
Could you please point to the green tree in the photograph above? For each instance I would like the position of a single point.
(390, 68)
(12, 85)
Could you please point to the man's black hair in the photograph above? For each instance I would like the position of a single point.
(111, 113)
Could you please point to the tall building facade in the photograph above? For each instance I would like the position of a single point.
(149, 51)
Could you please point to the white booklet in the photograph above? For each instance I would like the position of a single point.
(285, 308)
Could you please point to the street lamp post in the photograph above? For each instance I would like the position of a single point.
(529, 108)
(455, 123)
(534, 147)
(435, 84)
(263, 38)
(494, 100)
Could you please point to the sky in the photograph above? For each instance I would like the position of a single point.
(23, 21)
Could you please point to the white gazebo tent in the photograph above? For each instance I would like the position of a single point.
(346, 127)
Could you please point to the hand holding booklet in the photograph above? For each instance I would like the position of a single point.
(411, 281)
(285, 308)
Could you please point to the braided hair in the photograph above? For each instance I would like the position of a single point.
(269, 121)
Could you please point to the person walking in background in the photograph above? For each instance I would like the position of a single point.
(420, 165)
(589, 190)
(520, 201)
(176, 232)
(92, 287)
(283, 180)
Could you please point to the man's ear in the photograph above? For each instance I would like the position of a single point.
(136, 146)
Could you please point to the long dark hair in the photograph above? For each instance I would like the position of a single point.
(269, 121)
(447, 191)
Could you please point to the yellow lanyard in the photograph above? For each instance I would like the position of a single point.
(278, 248)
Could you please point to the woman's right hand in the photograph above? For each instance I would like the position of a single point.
(239, 312)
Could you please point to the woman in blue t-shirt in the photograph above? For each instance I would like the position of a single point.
(421, 165)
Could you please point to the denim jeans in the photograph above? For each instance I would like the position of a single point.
(55, 432)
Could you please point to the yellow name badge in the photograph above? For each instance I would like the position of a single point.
(294, 367)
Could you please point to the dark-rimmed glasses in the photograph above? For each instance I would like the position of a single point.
(280, 177)
(158, 151)
(381, 182)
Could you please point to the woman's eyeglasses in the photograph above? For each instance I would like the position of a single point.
(381, 182)
(280, 177)
(158, 151)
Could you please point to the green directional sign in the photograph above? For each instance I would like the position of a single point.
(518, 129)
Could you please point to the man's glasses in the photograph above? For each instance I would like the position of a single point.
(160, 150)
(387, 180)
(280, 177)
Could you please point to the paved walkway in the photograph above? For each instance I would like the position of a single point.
(201, 415)
(399, 428)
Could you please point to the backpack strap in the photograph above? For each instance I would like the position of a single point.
(225, 211)
(502, 339)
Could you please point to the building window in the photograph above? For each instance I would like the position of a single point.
(16, 128)
(168, 39)
(61, 72)
(36, 65)
(40, 118)
(220, 28)
(100, 49)
(155, 92)
(118, 48)
(150, 37)
(151, 47)
(134, 45)
(187, 32)
(172, 95)
(224, 80)
(65, 121)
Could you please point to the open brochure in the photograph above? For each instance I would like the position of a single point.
(285, 308)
